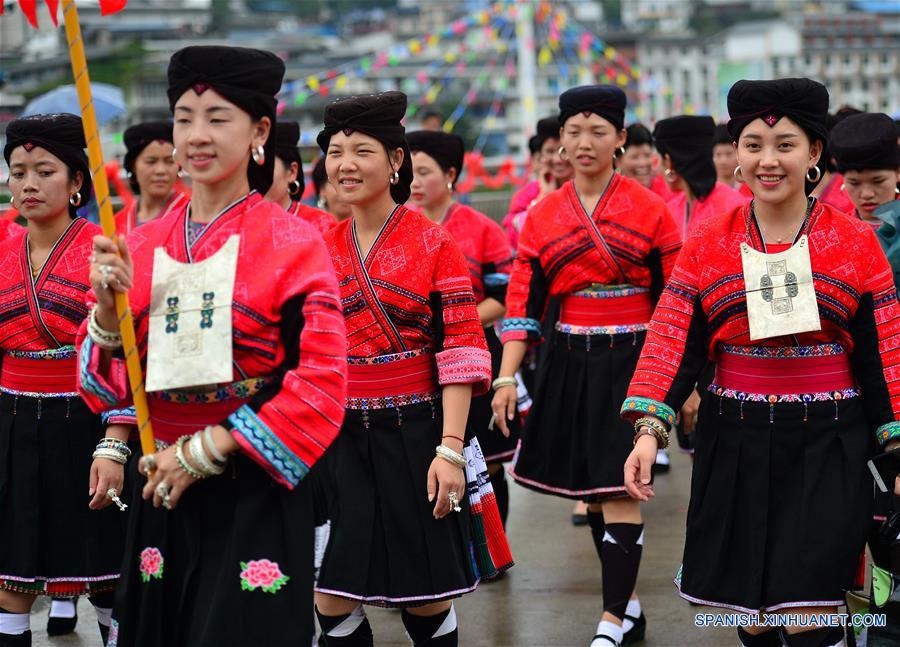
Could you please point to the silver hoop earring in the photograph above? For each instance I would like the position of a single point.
(130, 175)
(737, 174)
(259, 155)
(562, 154)
(12, 200)
(174, 151)
(813, 179)
(668, 173)
(620, 151)
(450, 187)
(896, 192)
(294, 187)
(321, 203)
(395, 178)
(75, 200)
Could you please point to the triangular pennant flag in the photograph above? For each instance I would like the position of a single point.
(108, 7)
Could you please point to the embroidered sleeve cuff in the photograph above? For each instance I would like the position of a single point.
(520, 329)
(111, 389)
(888, 432)
(266, 448)
(465, 366)
(636, 407)
(126, 416)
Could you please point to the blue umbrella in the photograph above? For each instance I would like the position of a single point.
(109, 102)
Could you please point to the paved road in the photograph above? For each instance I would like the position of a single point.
(552, 597)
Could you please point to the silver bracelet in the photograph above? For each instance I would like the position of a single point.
(182, 461)
(450, 456)
(103, 338)
(111, 454)
(199, 454)
(210, 444)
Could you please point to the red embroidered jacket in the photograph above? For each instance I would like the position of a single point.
(704, 305)
(721, 199)
(320, 220)
(287, 402)
(45, 314)
(126, 219)
(8, 229)
(485, 247)
(411, 292)
(561, 252)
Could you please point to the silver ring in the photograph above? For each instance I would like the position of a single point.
(148, 462)
(493, 420)
(167, 502)
(162, 490)
(454, 501)
(106, 270)
(93, 258)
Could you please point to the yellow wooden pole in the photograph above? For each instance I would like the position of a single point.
(107, 221)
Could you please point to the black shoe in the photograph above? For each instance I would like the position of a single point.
(579, 520)
(61, 626)
(636, 633)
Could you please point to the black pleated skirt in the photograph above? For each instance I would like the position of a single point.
(385, 547)
(574, 443)
(51, 543)
(232, 564)
(779, 510)
(496, 447)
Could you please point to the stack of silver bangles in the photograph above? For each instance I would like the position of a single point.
(113, 449)
(209, 461)
(450, 456)
(103, 338)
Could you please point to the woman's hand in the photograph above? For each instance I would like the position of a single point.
(443, 478)
(689, 412)
(105, 474)
(504, 404)
(167, 471)
(638, 468)
(110, 273)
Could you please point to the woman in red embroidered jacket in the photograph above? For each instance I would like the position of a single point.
(416, 355)
(287, 185)
(53, 544)
(437, 160)
(604, 244)
(795, 304)
(225, 560)
(152, 173)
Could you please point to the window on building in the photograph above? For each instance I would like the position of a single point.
(864, 85)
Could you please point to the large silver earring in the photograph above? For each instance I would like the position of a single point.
(321, 203)
(395, 178)
(737, 174)
(12, 200)
(294, 187)
(668, 173)
(620, 151)
(174, 152)
(813, 179)
(450, 187)
(562, 154)
(75, 200)
(259, 155)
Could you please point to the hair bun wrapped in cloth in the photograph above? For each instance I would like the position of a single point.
(447, 150)
(688, 140)
(866, 141)
(287, 138)
(376, 115)
(248, 78)
(608, 101)
(803, 101)
(60, 134)
(139, 136)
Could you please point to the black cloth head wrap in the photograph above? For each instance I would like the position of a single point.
(378, 116)
(547, 128)
(688, 140)
(139, 136)
(62, 135)
(248, 78)
(866, 141)
(637, 134)
(446, 149)
(608, 101)
(803, 101)
(287, 137)
(534, 145)
(722, 136)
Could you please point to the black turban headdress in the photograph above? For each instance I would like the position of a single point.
(62, 135)
(722, 136)
(865, 141)
(248, 78)
(376, 115)
(547, 128)
(608, 101)
(688, 140)
(287, 137)
(446, 149)
(138, 137)
(803, 101)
